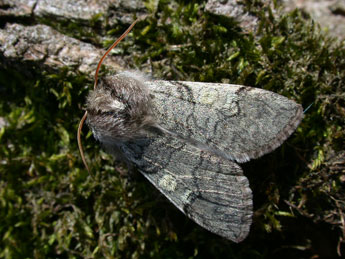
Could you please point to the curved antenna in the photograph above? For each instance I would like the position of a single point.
(81, 123)
(110, 48)
(80, 127)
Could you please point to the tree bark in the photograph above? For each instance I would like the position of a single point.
(26, 40)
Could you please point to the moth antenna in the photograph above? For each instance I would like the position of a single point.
(81, 123)
(110, 48)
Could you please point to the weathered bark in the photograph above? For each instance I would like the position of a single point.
(43, 47)
(25, 39)
(329, 14)
(73, 10)
(235, 10)
(49, 49)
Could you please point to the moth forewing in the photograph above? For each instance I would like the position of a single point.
(233, 121)
(210, 190)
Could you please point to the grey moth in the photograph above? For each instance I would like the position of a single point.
(187, 138)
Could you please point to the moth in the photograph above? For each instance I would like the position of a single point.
(187, 139)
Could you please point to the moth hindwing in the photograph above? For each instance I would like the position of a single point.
(186, 137)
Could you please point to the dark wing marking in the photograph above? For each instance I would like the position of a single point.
(232, 121)
(210, 190)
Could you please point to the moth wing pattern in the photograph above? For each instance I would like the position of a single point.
(203, 128)
(190, 136)
(233, 121)
(210, 190)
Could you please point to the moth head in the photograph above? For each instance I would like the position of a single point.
(97, 94)
(119, 109)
